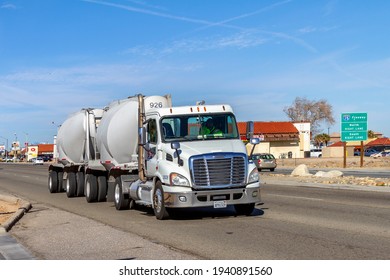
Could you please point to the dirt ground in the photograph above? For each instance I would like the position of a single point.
(351, 162)
(7, 209)
(327, 164)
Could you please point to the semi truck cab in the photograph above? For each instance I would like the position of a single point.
(195, 158)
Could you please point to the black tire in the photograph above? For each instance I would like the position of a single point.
(244, 209)
(60, 181)
(121, 201)
(272, 169)
(102, 188)
(80, 183)
(91, 191)
(70, 186)
(53, 182)
(159, 209)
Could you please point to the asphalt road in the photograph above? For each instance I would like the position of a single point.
(295, 222)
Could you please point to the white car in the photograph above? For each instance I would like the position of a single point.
(37, 160)
(316, 153)
(380, 154)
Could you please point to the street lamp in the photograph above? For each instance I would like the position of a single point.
(26, 147)
(15, 147)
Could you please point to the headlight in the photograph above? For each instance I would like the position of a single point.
(254, 176)
(178, 180)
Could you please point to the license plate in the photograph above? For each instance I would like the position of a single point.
(220, 204)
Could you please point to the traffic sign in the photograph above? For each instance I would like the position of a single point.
(354, 127)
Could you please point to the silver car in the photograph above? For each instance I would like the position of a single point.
(264, 161)
(37, 161)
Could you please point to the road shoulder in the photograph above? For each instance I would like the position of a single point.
(53, 234)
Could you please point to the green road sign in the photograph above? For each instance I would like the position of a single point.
(354, 127)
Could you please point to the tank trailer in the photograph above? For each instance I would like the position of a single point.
(141, 150)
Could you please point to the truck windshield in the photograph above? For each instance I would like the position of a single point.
(198, 127)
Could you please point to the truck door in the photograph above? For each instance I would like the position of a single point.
(151, 148)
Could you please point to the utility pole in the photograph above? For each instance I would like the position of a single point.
(15, 151)
(26, 147)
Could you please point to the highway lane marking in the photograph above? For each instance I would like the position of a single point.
(335, 201)
(297, 197)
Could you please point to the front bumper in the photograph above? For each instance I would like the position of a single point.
(179, 197)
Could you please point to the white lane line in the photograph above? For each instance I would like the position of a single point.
(297, 197)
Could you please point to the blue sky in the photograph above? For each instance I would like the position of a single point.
(58, 56)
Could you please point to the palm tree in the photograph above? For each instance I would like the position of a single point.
(371, 134)
(322, 138)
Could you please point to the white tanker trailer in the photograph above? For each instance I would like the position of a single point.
(141, 150)
(76, 148)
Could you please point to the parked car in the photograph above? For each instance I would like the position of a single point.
(380, 154)
(316, 153)
(367, 152)
(47, 158)
(37, 160)
(264, 161)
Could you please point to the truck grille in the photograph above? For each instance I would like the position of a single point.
(218, 170)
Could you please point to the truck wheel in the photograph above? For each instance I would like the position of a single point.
(102, 188)
(160, 211)
(244, 209)
(90, 188)
(121, 202)
(53, 182)
(71, 185)
(60, 181)
(80, 183)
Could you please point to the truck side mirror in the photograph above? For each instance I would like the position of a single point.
(250, 127)
(142, 135)
(254, 142)
(176, 146)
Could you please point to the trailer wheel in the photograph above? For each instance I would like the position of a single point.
(160, 211)
(121, 202)
(91, 188)
(80, 183)
(53, 182)
(244, 209)
(60, 181)
(71, 186)
(102, 188)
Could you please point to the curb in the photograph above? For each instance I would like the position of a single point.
(25, 206)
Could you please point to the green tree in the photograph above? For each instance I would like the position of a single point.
(315, 112)
(321, 138)
(371, 134)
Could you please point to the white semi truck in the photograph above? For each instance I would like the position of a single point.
(141, 150)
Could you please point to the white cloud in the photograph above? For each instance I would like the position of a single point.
(238, 40)
(307, 29)
(8, 6)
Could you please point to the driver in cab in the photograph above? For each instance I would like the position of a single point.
(209, 128)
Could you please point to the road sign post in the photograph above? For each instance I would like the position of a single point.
(354, 128)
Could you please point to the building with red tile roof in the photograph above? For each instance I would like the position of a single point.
(337, 149)
(282, 139)
(271, 131)
(379, 142)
